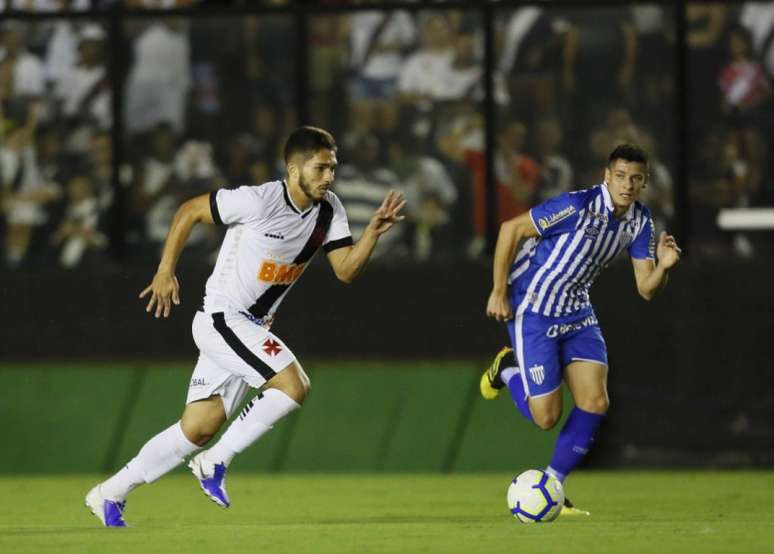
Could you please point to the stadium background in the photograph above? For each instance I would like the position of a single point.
(115, 112)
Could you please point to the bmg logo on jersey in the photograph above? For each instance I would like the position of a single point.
(279, 274)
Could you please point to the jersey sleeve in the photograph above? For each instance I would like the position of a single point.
(237, 205)
(643, 247)
(339, 234)
(556, 215)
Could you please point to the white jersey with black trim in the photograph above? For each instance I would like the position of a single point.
(268, 245)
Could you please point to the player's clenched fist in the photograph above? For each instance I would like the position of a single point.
(498, 306)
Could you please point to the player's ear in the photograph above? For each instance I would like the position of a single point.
(295, 166)
(294, 171)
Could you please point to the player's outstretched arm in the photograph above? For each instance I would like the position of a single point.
(348, 262)
(164, 290)
(511, 234)
(652, 276)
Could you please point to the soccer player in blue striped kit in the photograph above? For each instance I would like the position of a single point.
(542, 294)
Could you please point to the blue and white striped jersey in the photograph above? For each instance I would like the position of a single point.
(579, 236)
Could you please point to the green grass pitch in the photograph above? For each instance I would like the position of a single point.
(661, 512)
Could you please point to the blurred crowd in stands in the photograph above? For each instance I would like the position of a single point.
(731, 62)
(207, 101)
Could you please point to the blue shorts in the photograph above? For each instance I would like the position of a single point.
(544, 346)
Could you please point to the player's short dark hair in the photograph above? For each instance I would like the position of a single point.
(307, 141)
(630, 153)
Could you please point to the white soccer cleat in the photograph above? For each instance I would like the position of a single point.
(212, 479)
(109, 512)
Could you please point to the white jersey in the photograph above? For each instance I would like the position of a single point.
(268, 245)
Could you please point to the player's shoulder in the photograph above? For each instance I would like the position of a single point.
(332, 199)
(270, 189)
(641, 210)
(254, 201)
(586, 196)
(573, 200)
(263, 190)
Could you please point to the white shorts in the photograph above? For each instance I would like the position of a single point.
(235, 353)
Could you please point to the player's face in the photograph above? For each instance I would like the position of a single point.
(625, 181)
(317, 174)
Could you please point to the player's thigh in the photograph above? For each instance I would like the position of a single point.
(537, 354)
(546, 409)
(241, 347)
(541, 371)
(213, 386)
(293, 381)
(584, 356)
(587, 382)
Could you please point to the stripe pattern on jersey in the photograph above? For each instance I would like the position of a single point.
(239, 348)
(273, 293)
(561, 285)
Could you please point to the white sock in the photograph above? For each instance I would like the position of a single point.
(257, 417)
(158, 456)
(507, 373)
(559, 476)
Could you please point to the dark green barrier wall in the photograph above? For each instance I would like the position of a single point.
(360, 417)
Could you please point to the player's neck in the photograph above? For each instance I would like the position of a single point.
(619, 211)
(298, 196)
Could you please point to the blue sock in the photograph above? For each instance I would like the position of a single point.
(519, 396)
(573, 442)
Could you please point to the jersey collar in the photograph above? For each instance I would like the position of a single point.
(292, 205)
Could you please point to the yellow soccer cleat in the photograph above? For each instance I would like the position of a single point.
(491, 383)
(569, 509)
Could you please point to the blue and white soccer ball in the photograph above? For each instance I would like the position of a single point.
(535, 496)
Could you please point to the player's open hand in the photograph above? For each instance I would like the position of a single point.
(498, 307)
(667, 251)
(388, 214)
(164, 290)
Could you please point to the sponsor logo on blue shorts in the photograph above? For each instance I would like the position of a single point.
(564, 328)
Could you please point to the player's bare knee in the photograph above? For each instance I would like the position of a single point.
(200, 432)
(296, 389)
(546, 420)
(596, 403)
(293, 381)
(201, 439)
(201, 420)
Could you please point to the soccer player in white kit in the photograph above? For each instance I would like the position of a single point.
(273, 231)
